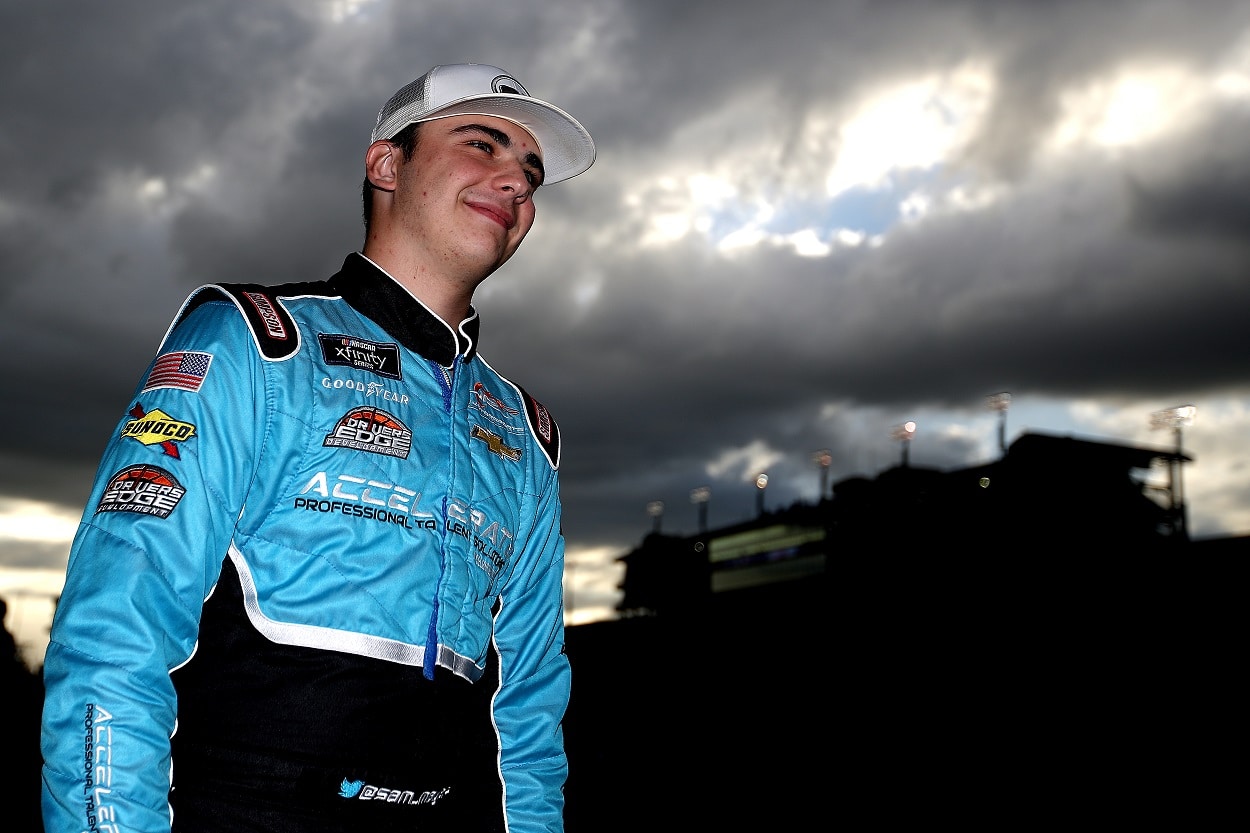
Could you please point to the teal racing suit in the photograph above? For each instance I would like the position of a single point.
(317, 584)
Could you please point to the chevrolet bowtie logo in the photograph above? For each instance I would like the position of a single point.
(495, 443)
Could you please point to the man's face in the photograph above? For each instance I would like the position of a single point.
(467, 194)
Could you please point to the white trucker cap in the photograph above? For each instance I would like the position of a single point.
(481, 89)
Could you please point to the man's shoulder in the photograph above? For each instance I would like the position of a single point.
(273, 329)
(541, 424)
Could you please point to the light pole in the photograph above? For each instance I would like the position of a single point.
(761, 483)
(656, 510)
(904, 433)
(1000, 402)
(1175, 419)
(700, 497)
(823, 459)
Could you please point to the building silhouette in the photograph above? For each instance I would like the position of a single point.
(980, 646)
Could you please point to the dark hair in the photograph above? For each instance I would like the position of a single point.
(406, 141)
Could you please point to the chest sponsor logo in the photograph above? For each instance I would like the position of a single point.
(495, 443)
(367, 388)
(143, 489)
(157, 428)
(492, 541)
(359, 354)
(373, 430)
(493, 409)
(362, 498)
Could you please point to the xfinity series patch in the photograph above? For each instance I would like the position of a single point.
(347, 351)
(157, 428)
(371, 429)
(144, 489)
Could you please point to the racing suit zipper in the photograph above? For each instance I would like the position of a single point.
(447, 376)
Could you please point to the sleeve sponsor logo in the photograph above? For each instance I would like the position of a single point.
(100, 810)
(373, 430)
(269, 315)
(495, 443)
(143, 489)
(359, 354)
(542, 420)
(183, 370)
(157, 428)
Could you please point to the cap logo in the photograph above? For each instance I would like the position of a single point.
(508, 85)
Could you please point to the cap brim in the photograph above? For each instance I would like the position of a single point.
(566, 146)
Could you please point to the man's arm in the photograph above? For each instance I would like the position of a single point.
(535, 676)
(148, 551)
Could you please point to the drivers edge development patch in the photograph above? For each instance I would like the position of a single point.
(366, 428)
(143, 489)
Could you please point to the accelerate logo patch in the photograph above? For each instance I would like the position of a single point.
(144, 489)
(373, 430)
(157, 428)
(357, 353)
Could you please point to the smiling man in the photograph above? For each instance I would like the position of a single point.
(332, 599)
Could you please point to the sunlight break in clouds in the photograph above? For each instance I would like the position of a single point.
(744, 196)
(919, 125)
(1136, 106)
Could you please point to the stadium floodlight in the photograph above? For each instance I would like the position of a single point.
(656, 510)
(761, 483)
(1000, 402)
(823, 459)
(699, 497)
(904, 433)
(1176, 419)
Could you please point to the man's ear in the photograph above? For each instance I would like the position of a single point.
(380, 159)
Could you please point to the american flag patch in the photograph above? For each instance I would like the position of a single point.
(183, 370)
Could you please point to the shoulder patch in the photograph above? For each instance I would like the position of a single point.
(274, 331)
(543, 427)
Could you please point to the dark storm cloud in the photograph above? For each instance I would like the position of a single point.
(147, 147)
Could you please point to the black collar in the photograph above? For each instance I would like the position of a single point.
(374, 293)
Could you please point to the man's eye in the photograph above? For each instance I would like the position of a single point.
(482, 144)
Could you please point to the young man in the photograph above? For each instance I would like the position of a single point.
(317, 585)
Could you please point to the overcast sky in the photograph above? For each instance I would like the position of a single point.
(809, 221)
